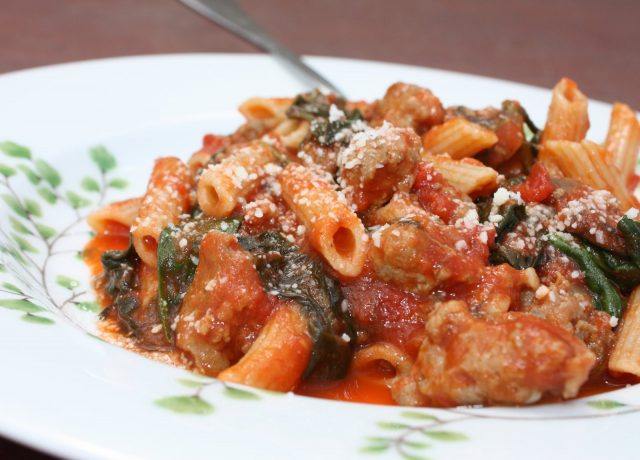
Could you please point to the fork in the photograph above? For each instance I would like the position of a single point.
(229, 14)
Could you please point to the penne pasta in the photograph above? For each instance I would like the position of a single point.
(332, 227)
(278, 357)
(121, 212)
(623, 140)
(292, 133)
(625, 357)
(467, 175)
(459, 138)
(567, 119)
(265, 109)
(225, 291)
(211, 145)
(319, 243)
(382, 351)
(167, 197)
(590, 163)
(221, 186)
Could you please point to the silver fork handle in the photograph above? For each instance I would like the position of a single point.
(228, 14)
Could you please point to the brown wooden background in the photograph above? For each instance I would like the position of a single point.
(597, 43)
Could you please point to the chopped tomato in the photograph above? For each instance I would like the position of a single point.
(433, 192)
(538, 185)
(212, 142)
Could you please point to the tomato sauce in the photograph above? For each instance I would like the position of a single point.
(362, 385)
(383, 313)
(115, 237)
(390, 315)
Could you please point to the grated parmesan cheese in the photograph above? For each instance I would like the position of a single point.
(632, 213)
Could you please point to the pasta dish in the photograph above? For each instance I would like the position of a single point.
(395, 251)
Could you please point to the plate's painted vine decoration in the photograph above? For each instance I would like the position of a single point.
(419, 430)
(30, 244)
(196, 404)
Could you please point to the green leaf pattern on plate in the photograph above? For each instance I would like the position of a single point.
(34, 239)
(186, 405)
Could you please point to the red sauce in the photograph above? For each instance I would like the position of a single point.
(115, 237)
(364, 386)
(434, 192)
(389, 315)
(386, 313)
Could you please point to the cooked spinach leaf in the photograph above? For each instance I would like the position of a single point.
(308, 106)
(178, 250)
(502, 253)
(623, 272)
(519, 260)
(314, 107)
(510, 218)
(630, 230)
(293, 275)
(605, 295)
(120, 283)
(326, 132)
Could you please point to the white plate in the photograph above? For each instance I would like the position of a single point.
(70, 394)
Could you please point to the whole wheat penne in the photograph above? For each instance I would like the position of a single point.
(224, 287)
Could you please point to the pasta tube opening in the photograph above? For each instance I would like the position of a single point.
(344, 242)
(215, 199)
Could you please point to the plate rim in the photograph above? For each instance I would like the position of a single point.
(69, 446)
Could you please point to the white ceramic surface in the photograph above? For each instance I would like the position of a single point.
(65, 392)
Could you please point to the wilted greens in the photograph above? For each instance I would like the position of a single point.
(315, 107)
(293, 275)
(178, 249)
(120, 283)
